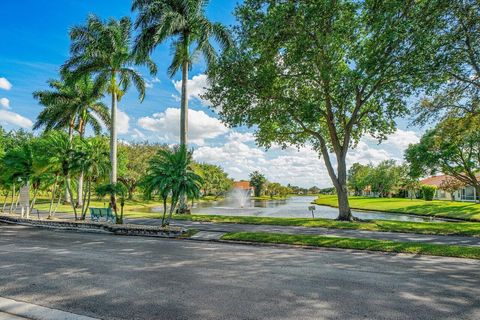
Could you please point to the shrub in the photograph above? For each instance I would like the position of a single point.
(428, 192)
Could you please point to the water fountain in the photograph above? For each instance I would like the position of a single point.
(238, 198)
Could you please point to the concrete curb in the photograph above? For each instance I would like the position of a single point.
(96, 227)
(36, 312)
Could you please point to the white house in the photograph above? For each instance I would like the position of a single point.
(466, 193)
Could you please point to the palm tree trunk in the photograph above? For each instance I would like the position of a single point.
(58, 203)
(5, 201)
(54, 191)
(69, 188)
(68, 197)
(86, 200)
(182, 208)
(13, 198)
(80, 190)
(32, 204)
(164, 210)
(113, 139)
(184, 106)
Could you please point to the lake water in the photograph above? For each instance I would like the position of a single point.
(293, 207)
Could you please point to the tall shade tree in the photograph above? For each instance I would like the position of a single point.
(190, 30)
(104, 50)
(72, 104)
(323, 73)
(455, 65)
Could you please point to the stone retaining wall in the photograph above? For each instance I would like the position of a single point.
(119, 229)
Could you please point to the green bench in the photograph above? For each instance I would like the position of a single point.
(97, 213)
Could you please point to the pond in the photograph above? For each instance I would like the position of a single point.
(293, 207)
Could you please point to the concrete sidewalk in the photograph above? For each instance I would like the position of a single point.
(17, 310)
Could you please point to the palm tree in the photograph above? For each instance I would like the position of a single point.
(18, 163)
(73, 104)
(171, 172)
(103, 49)
(186, 23)
(93, 159)
(57, 158)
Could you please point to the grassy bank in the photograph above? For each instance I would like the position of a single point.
(438, 228)
(447, 209)
(357, 244)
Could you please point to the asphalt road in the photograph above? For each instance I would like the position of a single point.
(115, 277)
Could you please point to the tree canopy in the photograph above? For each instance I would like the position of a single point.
(323, 73)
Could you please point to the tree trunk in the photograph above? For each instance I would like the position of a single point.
(35, 192)
(54, 191)
(5, 201)
(71, 195)
(80, 190)
(113, 139)
(13, 198)
(339, 181)
(131, 190)
(164, 210)
(344, 213)
(184, 106)
(68, 197)
(84, 195)
(182, 208)
(86, 200)
(58, 203)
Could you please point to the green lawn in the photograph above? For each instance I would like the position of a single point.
(448, 209)
(439, 228)
(132, 209)
(357, 244)
(139, 209)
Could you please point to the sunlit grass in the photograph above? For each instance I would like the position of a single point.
(437, 208)
(357, 244)
(437, 228)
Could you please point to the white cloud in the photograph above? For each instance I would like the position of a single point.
(5, 84)
(302, 167)
(8, 117)
(167, 126)
(196, 87)
(123, 122)
(150, 82)
(402, 138)
(242, 137)
(4, 102)
(138, 135)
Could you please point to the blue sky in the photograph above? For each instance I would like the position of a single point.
(34, 44)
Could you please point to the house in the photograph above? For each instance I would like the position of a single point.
(466, 193)
(244, 185)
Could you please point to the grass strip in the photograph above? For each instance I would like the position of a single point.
(431, 228)
(438, 208)
(357, 244)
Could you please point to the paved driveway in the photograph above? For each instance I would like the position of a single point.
(115, 277)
